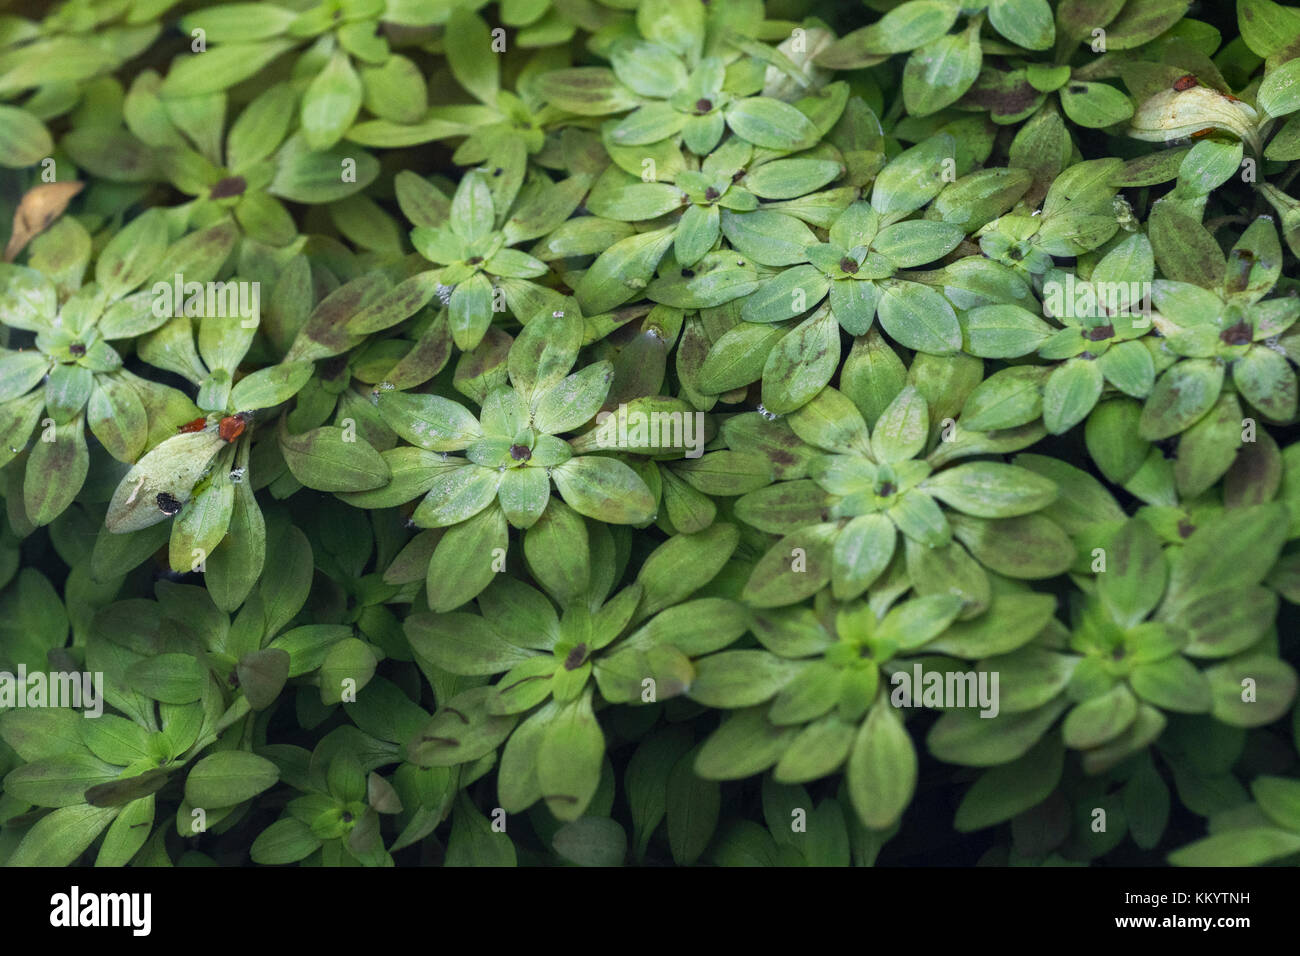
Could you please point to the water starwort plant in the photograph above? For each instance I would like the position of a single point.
(649, 431)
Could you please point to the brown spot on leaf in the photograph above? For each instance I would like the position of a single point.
(573, 660)
(1239, 334)
(39, 207)
(230, 186)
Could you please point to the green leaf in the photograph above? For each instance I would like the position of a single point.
(26, 139)
(649, 124)
(692, 806)
(1100, 719)
(1003, 331)
(1185, 392)
(1268, 381)
(461, 731)
(569, 759)
(288, 840)
(902, 428)
(1279, 798)
(683, 564)
(58, 781)
(802, 363)
(587, 91)
(220, 68)
(28, 300)
(1184, 249)
(771, 124)
(1006, 791)
(1251, 691)
(1095, 105)
(591, 841)
(622, 271)
(462, 644)
(268, 387)
(348, 666)
(734, 679)
(991, 490)
(228, 777)
(132, 255)
(56, 469)
(172, 678)
(1026, 23)
(1029, 546)
(117, 417)
(918, 317)
(939, 73)
(556, 548)
(882, 767)
(646, 782)
(767, 237)
(463, 562)
(744, 745)
(604, 489)
(470, 55)
(331, 102)
(1240, 846)
(59, 838)
(262, 675)
(789, 178)
(330, 459)
(914, 177)
(1070, 393)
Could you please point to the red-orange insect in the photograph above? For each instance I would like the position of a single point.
(195, 426)
(232, 426)
(1185, 82)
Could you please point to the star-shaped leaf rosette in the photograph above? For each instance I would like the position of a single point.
(867, 489)
(512, 455)
(1147, 619)
(634, 646)
(73, 377)
(246, 166)
(691, 74)
(826, 690)
(1215, 320)
(471, 238)
(200, 475)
